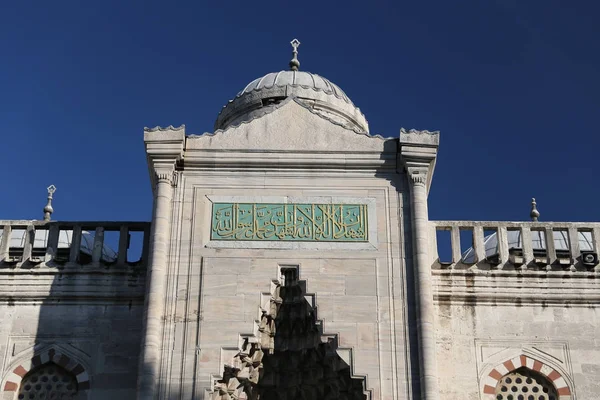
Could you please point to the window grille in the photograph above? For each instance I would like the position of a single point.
(48, 382)
(524, 384)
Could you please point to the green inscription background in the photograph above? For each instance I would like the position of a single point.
(290, 222)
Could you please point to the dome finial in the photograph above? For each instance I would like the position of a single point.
(534, 214)
(48, 210)
(295, 64)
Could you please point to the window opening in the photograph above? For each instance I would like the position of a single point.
(525, 384)
(48, 382)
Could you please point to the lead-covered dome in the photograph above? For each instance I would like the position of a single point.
(315, 92)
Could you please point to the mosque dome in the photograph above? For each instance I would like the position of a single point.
(313, 91)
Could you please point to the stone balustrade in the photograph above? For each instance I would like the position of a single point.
(33, 244)
(520, 245)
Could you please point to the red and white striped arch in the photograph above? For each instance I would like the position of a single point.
(14, 378)
(491, 380)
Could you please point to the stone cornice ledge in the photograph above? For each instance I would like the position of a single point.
(421, 138)
(203, 159)
(517, 288)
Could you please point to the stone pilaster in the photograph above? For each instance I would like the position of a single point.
(418, 151)
(164, 148)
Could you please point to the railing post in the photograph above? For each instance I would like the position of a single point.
(5, 242)
(146, 246)
(502, 236)
(478, 243)
(574, 245)
(28, 244)
(123, 245)
(52, 245)
(596, 239)
(98, 245)
(526, 245)
(456, 255)
(550, 247)
(75, 244)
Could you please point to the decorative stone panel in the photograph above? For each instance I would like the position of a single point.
(368, 239)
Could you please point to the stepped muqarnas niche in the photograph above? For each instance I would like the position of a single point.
(289, 207)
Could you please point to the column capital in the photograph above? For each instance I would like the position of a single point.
(418, 153)
(418, 175)
(171, 177)
(164, 149)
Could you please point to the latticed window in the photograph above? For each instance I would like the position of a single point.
(525, 384)
(48, 382)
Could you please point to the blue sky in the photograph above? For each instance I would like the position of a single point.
(513, 87)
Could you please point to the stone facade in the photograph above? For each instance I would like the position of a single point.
(352, 302)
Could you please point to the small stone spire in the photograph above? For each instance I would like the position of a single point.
(48, 210)
(295, 64)
(534, 214)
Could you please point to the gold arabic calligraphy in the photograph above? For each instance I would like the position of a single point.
(300, 222)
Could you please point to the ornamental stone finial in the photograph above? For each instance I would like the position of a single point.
(295, 64)
(48, 210)
(534, 214)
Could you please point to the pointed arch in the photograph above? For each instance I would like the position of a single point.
(52, 354)
(506, 367)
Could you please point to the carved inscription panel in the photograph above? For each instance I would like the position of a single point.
(290, 222)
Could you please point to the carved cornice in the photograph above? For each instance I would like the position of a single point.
(415, 131)
(162, 129)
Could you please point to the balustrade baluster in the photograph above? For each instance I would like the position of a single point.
(146, 246)
(98, 245)
(456, 255)
(574, 245)
(52, 245)
(5, 242)
(123, 245)
(550, 247)
(479, 243)
(596, 239)
(28, 243)
(502, 236)
(75, 244)
(526, 245)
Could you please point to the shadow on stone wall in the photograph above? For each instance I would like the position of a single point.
(301, 366)
(75, 320)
